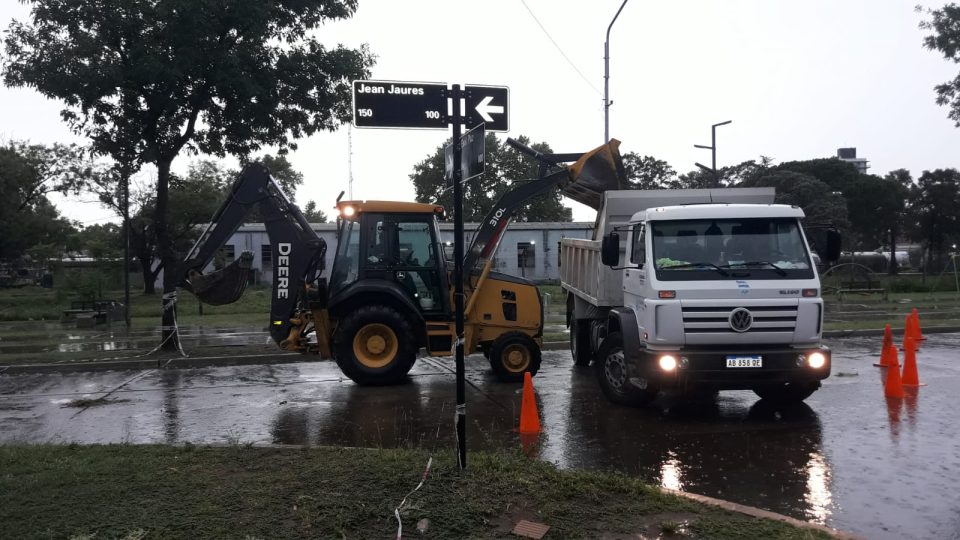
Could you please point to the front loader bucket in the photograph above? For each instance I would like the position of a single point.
(223, 286)
(599, 170)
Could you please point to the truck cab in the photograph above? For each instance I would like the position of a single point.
(712, 296)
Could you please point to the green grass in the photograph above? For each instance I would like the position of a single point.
(36, 303)
(243, 492)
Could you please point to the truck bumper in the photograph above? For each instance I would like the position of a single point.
(707, 368)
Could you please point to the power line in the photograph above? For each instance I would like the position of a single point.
(555, 44)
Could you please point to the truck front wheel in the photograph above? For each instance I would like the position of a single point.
(375, 345)
(791, 392)
(512, 355)
(611, 370)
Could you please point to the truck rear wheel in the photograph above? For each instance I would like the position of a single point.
(580, 342)
(514, 354)
(375, 345)
(611, 370)
(791, 392)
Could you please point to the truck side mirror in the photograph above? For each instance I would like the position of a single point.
(834, 245)
(610, 249)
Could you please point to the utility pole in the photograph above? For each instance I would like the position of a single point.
(713, 152)
(606, 78)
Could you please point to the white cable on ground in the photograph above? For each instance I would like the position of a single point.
(396, 511)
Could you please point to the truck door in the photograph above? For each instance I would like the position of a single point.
(634, 276)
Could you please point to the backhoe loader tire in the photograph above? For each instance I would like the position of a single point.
(375, 346)
(513, 354)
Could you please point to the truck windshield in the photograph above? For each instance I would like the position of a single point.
(758, 248)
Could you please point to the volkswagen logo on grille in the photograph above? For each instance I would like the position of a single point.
(741, 320)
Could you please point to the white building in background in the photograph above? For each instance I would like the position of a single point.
(850, 156)
(528, 249)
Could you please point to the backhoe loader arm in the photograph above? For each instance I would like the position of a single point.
(593, 172)
(297, 252)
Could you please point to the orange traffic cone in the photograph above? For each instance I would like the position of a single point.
(917, 332)
(529, 417)
(908, 332)
(884, 349)
(894, 386)
(910, 375)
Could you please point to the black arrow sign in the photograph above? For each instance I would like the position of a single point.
(489, 105)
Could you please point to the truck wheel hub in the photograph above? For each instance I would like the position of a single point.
(615, 370)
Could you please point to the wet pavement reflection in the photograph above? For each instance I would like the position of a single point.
(848, 458)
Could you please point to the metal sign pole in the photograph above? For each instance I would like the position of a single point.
(461, 411)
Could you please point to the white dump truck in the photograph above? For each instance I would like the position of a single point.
(697, 291)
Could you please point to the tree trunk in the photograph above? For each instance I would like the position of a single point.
(149, 274)
(892, 268)
(170, 337)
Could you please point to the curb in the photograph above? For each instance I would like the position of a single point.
(760, 513)
(133, 364)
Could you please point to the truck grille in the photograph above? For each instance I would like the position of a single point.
(716, 319)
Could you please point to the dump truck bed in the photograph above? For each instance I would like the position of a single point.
(582, 273)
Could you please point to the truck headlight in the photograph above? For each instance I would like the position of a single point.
(816, 360)
(668, 362)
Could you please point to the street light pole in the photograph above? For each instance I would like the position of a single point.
(606, 78)
(713, 152)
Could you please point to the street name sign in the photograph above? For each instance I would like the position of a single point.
(425, 105)
(395, 104)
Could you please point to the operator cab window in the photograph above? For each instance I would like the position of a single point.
(403, 249)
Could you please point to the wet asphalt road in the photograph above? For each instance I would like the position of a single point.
(848, 458)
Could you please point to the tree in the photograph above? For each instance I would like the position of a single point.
(29, 172)
(146, 79)
(944, 23)
(313, 214)
(875, 207)
(819, 202)
(504, 168)
(99, 241)
(730, 176)
(935, 208)
(647, 172)
(834, 172)
(194, 198)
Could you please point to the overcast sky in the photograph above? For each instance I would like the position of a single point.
(798, 79)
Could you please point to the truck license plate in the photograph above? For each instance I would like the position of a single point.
(744, 361)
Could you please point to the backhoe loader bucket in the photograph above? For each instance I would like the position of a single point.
(223, 286)
(599, 170)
